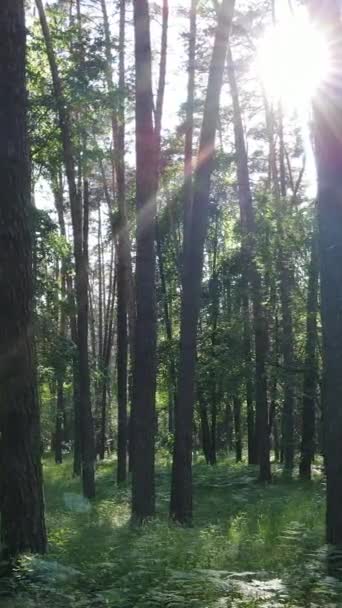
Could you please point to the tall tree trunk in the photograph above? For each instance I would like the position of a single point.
(124, 256)
(189, 123)
(237, 428)
(106, 354)
(144, 371)
(58, 439)
(254, 279)
(60, 406)
(286, 289)
(310, 373)
(328, 139)
(205, 429)
(181, 490)
(214, 296)
(21, 492)
(229, 426)
(81, 267)
(159, 248)
(59, 204)
(247, 345)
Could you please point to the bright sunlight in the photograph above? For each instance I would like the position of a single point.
(292, 60)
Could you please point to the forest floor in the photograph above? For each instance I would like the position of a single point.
(250, 546)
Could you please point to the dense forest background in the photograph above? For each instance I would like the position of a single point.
(170, 318)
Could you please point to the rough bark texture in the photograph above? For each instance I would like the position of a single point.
(144, 372)
(81, 267)
(181, 490)
(328, 139)
(21, 496)
(254, 280)
(310, 373)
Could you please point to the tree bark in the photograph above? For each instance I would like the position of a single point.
(144, 370)
(310, 373)
(181, 490)
(60, 406)
(123, 250)
(237, 428)
(286, 289)
(254, 280)
(21, 496)
(81, 267)
(328, 149)
(205, 430)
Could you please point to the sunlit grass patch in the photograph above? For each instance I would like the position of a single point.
(250, 545)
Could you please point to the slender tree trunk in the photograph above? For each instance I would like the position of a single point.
(107, 348)
(124, 258)
(328, 139)
(81, 267)
(254, 279)
(59, 204)
(59, 422)
(144, 371)
(181, 490)
(22, 527)
(237, 428)
(286, 289)
(189, 123)
(310, 373)
(205, 430)
(252, 455)
(60, 406)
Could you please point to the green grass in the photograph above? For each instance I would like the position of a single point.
(250, 545)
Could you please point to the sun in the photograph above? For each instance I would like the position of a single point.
(292, 60)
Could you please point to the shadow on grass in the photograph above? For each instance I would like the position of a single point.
(239, 526)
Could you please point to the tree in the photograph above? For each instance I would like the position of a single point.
(21, 495)
(328, 149)
(252, 281)
(310, 370)
(80, 233)
(181, 489)
(123, 246)
(144, 370)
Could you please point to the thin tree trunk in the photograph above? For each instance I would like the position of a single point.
(247, 344)
(229, 426)
(214, 294)
(328, 139)
(181, 490)
(22, 527)
(58, 196)
(205, 430)
(124, 257)
(144, 371)
(81, 275)
(60, 406)
(286, 289)
(254, 279)
(106, 357)
(310, 373)
(237, 428)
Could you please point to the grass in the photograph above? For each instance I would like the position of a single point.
(249, 546)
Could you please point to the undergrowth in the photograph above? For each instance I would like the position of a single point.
(250, 546)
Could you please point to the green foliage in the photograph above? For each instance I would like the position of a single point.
(250, 546)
